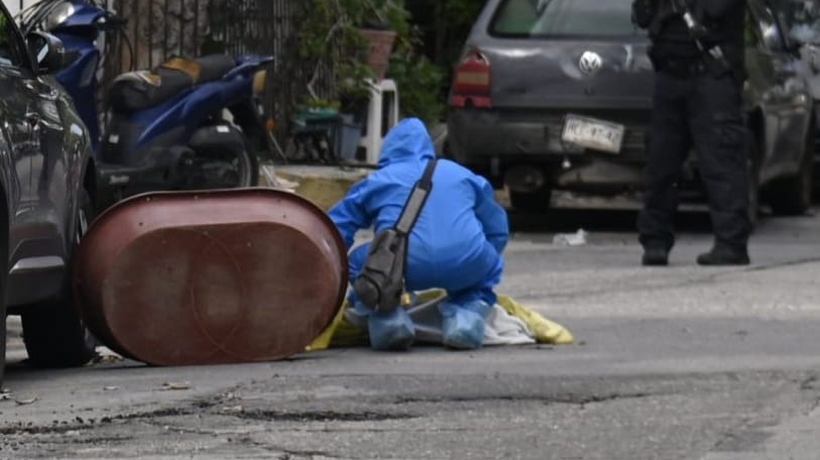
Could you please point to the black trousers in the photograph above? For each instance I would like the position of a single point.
(704, 112)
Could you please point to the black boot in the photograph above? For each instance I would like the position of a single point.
(655, 255)
(722, 254)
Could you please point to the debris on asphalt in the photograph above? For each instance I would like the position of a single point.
(268, 174)
(233, 409)
(578, 238)
(176, 386)
(111, 388)
(285, 184)
(23, 402)
(105, 356)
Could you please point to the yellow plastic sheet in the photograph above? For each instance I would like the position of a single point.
(341, 333)
(542, 329)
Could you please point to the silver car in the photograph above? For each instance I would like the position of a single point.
(556, 94)
(801, 22)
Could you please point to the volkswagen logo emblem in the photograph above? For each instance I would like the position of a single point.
(590, 62)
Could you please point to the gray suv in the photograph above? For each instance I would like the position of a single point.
(46, 191)
(556, 94)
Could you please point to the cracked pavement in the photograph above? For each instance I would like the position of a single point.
(681, 362)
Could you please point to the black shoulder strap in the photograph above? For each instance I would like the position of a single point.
(416, 200)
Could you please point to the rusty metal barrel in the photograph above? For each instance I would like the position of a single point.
(208, 277)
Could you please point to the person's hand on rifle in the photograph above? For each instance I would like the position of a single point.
(683, 8)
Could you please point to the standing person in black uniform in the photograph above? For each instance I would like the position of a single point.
(697, 52)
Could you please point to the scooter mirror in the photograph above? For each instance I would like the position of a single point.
(47, 51)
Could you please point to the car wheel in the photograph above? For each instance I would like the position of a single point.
(537, 201)
(792, 196)
(55, 334)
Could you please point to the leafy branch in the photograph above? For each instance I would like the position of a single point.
(334, 50)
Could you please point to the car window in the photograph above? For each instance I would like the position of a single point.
(10, 46)
(551, 18)
(801, 19)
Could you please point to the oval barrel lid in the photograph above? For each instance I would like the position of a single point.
(224, 276)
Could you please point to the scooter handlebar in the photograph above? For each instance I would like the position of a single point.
(112, 22)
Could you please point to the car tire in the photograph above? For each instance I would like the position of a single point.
(54, 334)
(537, 201)
(792, 196)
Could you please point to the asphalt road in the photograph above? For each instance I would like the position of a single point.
(681, 362)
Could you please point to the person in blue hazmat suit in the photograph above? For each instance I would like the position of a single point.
(455, 245)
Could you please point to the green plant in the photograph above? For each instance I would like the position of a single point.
(330, 44)
(418, 80)
(332, 47)
(320, 103)
(444, 26)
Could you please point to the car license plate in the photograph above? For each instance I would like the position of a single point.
(593, 133)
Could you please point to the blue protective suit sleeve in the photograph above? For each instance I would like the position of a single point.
(350, 214)
(492, 216)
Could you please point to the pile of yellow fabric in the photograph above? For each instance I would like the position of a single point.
(341, 333)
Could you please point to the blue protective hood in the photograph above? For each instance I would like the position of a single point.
(408, 140)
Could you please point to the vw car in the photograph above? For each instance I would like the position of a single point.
(801, 22)
(556, 94)
(46, 193)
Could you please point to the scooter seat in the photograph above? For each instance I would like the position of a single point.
(142, 89)
(202, 69)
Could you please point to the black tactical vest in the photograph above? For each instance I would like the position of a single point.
(671, 39)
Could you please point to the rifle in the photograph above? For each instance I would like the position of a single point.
(716, 59)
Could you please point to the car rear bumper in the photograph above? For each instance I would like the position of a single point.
(502, 145)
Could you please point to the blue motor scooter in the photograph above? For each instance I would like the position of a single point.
(186, 124)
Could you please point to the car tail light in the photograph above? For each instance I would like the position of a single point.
(471, 82)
